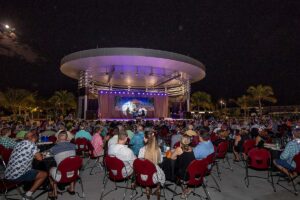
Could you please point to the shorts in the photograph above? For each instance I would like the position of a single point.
(55, 174)
(28, 176)
(284, 164)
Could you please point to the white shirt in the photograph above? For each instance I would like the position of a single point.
(125, 154)
(113, 140)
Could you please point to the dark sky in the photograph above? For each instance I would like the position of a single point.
(241, 43)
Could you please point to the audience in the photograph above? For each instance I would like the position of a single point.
(137, 141)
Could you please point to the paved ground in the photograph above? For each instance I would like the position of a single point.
(232, 186)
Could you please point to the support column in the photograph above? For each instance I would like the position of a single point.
(83, 87)
(188, 95)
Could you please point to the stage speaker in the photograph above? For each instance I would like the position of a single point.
(91, 114)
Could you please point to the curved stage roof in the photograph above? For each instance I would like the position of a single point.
(133, 67)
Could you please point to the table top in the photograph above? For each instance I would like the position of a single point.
(43, 143)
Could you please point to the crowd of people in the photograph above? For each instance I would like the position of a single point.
(183, 140)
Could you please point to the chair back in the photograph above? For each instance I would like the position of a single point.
(210, 159)
(69, 169)
(248, 145)
(297, 161)
(144, 171)
(222, 149)
(259, 158)
(114, 167)
(213, 137)
(197, 170)
(6, 153)
(82, 145)
(52, 138)
(177, 144)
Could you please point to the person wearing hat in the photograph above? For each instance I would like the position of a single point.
(285, 163)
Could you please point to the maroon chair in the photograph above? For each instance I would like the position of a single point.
(97, 162)
(6, 186)
(221, 154)
(211, 162)
(69, 170)
(297, 169)
(114, 167)
(194, 176)
(248, 145)
(82, 146)
(177, 144)
(52, 139)
(5, 154)
(259, 159)
(144, 171)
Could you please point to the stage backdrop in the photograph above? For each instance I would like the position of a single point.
(131, 104)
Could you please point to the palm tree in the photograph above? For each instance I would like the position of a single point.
(243, 102)
(201, 100)
(17, 100)
(63, 100)
(261, 93)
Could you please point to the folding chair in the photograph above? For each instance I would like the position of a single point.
(114, 167)
(221, 154)
(144, 171)
(82, 146)
(68, 170)
(259, 159)
(211, 162)
(297, 169)
(194, 177)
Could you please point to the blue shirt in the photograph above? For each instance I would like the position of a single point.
(83, 134)
(203, 149)
(137, 142)
(292, 148)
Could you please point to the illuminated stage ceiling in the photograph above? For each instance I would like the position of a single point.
(134, 67)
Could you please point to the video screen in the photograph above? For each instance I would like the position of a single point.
(138, 106)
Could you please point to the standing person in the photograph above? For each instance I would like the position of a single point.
(122, 152)
(63, 149)
(19, 168)
(137, 141)
(152, 152)
(97, 142)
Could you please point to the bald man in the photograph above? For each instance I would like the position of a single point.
(19, 166)
(63, 149)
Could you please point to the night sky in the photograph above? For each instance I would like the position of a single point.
(241, 43)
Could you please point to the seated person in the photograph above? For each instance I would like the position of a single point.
(63, 149)
(286, 163)
(239, 140)
(261, 138)
(185, 156)
(152, 152)
(19, 168)
(97, 142)
(63, 128)
(137, 141)
(176, 137)
(205, 146)
(82, 133)
(223, 135)
(122, 152)
(5, 140)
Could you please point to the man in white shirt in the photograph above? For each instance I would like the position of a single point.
(122, 152)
